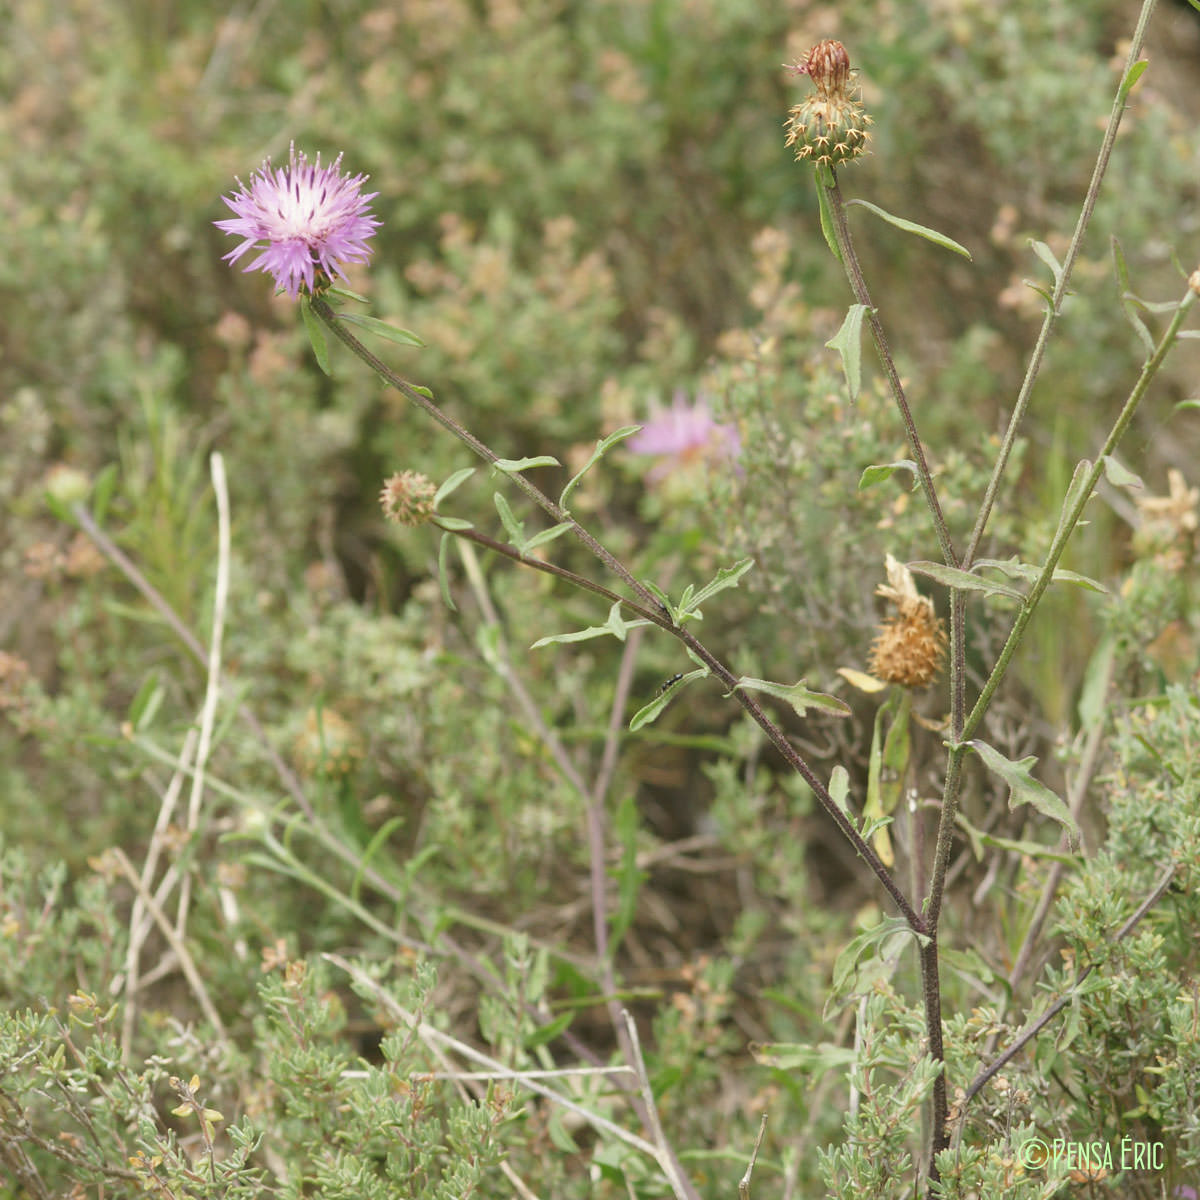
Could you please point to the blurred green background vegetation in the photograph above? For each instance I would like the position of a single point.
(587, 206)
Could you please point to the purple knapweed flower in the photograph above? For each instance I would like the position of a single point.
(684, 433)
(312, 218)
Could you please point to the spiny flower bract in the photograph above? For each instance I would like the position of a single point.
(312, 218)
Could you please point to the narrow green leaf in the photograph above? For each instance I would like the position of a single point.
(797, 695)
(1024, 789)
(102, 492)
(548, 1032)
(964, 581)
(872, 804)
(384, 832)
(827, 228)
(1041, 291)
(514, 528)
(389, 333)
(882, 937)
(146, 702)
(421, 391)
(662, 598)
(839, 787)
(1119, 263)
(1135, 321)
(344, 291)
(897, 750)
(510, 466)
(316, 335)
(547, 535)
(602, 448)
(1049, 258)
(848, 343)
(1131, 77)
(1074, 491)
(452, 524)
(878, 472)
(1159, 308)
(443, 574)
(1030, 849)
(922, 231)
(452, 484)
(800, 1058)
(1028, 572)
(1120, 476)
(1093, 707)
(726, 577)
(650, 712)
(583, 635)
(616, 624)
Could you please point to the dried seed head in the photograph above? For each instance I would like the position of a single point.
(328, 745)
(830, 127)
(407, 498)
(909, 647)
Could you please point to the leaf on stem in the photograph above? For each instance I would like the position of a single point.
(1072, 498)
(650, 712)
(514, 528)
(964, 581)
(102, 492)
(848, 343)
(797, 695)
(878, 472)
(827, 226)
(1024, 789)
(389, 333)
(922, 231)
(602, 448)
(443, 573)
(1132, 76)
(887, 938)
(452, 484)
(726, 577)
(1049, 258)
(316, 335)
(510, 466)
(547, 535)
(616, 626)
(1030, 573)
(1120, 476)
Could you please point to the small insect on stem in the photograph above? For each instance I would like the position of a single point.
(670, 683)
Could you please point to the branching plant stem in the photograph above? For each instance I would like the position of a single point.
(962, 725)
(646, 604)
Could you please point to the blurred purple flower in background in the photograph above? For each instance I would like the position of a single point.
(310, 216)
(684, 434)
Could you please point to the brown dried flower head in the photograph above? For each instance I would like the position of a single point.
(830, 127)
(909, 647)
(328, 745)
(407, 498)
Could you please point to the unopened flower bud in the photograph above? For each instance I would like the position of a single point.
(830, 127)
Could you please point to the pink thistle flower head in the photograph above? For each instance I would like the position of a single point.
(683, 434)
(312, 218)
